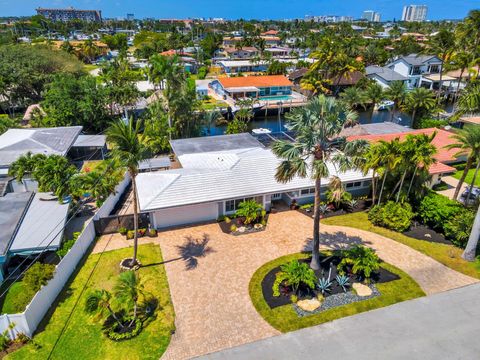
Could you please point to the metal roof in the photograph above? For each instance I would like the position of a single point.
(90, 141)
(17, 142)
(155, 163)
(216, 143)
(247, 172)
(12, 209)
(385, 73)
(42, 225)
(416, 60)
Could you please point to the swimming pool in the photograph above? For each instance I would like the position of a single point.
(277, 98)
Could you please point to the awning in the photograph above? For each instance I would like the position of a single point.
(242, 89)
(436, 77)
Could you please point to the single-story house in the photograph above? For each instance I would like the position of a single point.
(445, 157)
(297, 75)
(253, 86)
(384, 76)
(220, 172)
(238, 66)
(31, 223)
(246, 52)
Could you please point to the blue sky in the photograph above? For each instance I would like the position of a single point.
(231, 9)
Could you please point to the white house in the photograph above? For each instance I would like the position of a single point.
(416, 68)
(384, 75)
(220, 172)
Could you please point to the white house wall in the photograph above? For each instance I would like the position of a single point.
(188, 214)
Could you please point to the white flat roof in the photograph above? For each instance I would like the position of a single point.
(238, 63)
(242, 89)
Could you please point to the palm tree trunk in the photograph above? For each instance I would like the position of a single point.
(474, 178)
(381, 189)
(135, 220)
(471, 248)
(401, 185)
(413, 117)
(440, 81)
(462, 179)
(373, 110)
(374, 190)
(458, 85)
(394, 109)
(411, 181)
(315, 263)
(115, 316)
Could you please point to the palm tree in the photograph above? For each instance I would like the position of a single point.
(211, 117)
(468, 142)
(89, 50)
(129, 149)
(372, 161)
(353, 97)
(469, 102)
(25, 165)
(317, 125)
(443, 44)
(374, 94)
(424, 152)
(128, 289)
(460, 60)
(389, 154)
(397, 93)
(53, 174)
(472, 244)
(419, 99)
(99, 303)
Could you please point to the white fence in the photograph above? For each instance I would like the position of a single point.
(28, 321)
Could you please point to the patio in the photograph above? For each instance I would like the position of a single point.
(209, 273)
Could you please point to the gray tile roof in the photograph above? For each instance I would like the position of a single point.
(17, 142)
(90, 141)
(417, 60)
(385, 73)
(216, 143)
(12, 209)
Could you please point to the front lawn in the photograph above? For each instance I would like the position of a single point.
(83, 337)
(284, 318)
(469, 178)
(448, 255)
(16, 299)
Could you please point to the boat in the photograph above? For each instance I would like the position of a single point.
(260, 131)
(385, 105)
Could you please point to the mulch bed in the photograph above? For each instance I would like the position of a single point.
(238, 223)
(422, 232)
(382, 276)
(362, 206)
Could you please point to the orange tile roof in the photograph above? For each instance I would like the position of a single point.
(257, 81)
(442, 139)
(270, 32)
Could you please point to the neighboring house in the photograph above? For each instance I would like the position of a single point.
(271, 40)
(220, 172)
(31, 223)
(253, 86)
(279, 52)
(201, 90)
(273, 33)
(384, 75)
(296, 76)
(238, 66)
(416, 68)
(445, 157)
(231, 40)
(233, 53)
(91, 147)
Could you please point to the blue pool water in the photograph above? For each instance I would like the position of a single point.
(277, 98)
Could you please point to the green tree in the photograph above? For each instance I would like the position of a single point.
(318, 126)
(156, 130)
(396, 92)
(53, 174)
(354, 97)
(25, 165)
(128, 289)
(129, 149)
(467, 142)
(442, 44)
(99, 303)
(390, 156)
(6, 123)
(469, 101)
(374, 94)
(419, 100)
(472, 244)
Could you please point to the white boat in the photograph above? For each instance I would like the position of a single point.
(385, 105)
(260, 131)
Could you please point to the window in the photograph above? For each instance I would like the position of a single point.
(354, 185)
(232, 205)
(305, 192)
(434, 69)
(416, 70)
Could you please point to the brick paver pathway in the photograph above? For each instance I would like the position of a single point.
(209, 273)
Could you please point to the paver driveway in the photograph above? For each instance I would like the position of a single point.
(209, 273)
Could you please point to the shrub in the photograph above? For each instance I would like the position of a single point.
(363, 261)
(293, 298)
(458, 229)
(67, 245)
(427, 123)
(38, 275)
(306, 206)
(394, 216)
(116, 336)
(250, 210)
(233, 228)
(122, 230)
(152, 232)
(294, 274)
(130, 234)
(435, 210)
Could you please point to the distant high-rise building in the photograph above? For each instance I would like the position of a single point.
(371, 16)
(328, 18)
(414, 13)
(130, 17)
(70, 13)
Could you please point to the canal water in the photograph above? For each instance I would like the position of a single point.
(275, 124)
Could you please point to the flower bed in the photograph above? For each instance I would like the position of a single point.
(236, 226)
(422, 232)
(361, 205)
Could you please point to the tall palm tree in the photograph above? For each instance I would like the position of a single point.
(472, 244)
(390, 158)
(372, 162)
(396, 92)
(469, 102)
(468, 142)
(354, 97)
(442, 44)
(318, 126)
(99, 303)
(374, 94)
(211, 117)
(419, 99)
(128, 289)
(129, 149)
(25, 165)
(424, 152)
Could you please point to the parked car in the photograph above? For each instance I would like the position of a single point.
(474, 195)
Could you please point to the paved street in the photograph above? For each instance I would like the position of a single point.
(441, 326)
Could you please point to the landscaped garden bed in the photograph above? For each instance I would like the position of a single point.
(422, 232)
(388, 285)
(249, 218)
(330, 210)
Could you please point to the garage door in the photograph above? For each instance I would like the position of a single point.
(185, 215)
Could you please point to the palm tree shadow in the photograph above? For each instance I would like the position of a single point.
(335, 241)
(193, 249)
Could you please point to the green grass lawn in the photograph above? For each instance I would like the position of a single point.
(83, 337)
(448, 255)
(284, 318)
(469, 178)
(16, 299)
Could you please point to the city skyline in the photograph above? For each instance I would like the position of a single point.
(248, 9)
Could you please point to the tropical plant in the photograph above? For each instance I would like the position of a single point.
(354, 97)
(128, 289)
(236, 126)
(296, 273)
(67, 245)
(362, 260)
(468, 143)
(389, 156)
(419, 100)
(374, 94)
(396, 92)
(458, 228)
(317, 125)
(392, 215)
(53, 174)
(129, 149)
(436, 209)
(324, 285)
(336, 193)
(343, 281)
(442, 44)
(37, 276)
(250, 210)
(99, 304)
(469, 101)
(25, 165)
